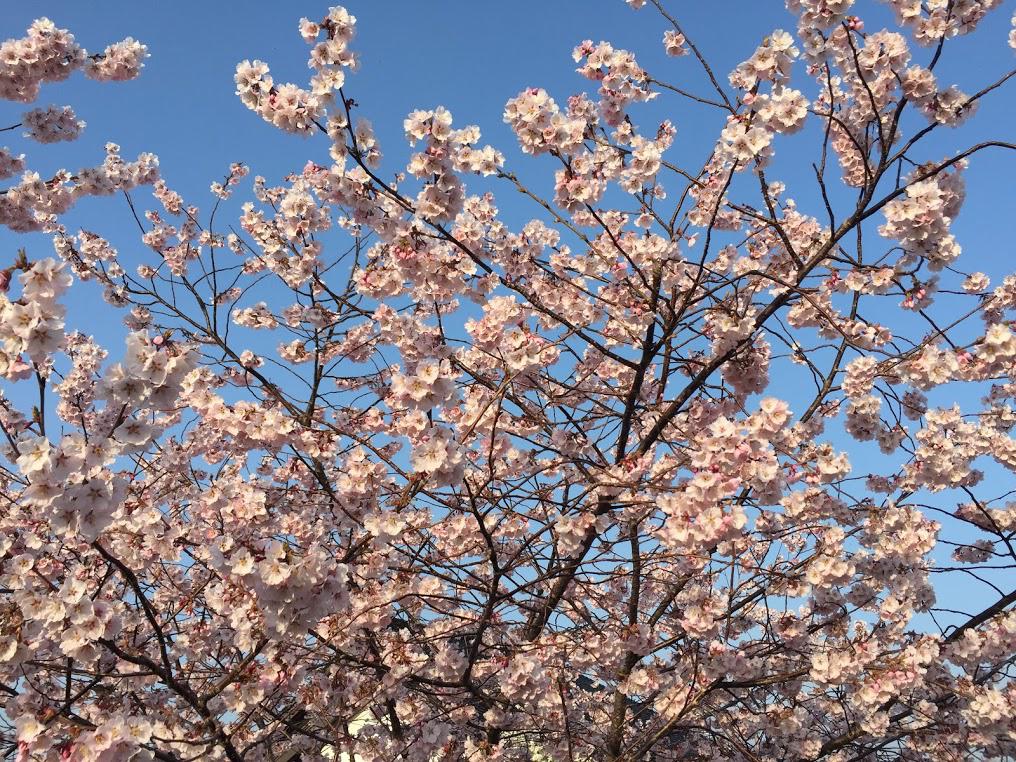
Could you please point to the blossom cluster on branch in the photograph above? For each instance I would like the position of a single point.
(691, 464)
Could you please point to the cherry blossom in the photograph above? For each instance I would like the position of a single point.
(667, 457)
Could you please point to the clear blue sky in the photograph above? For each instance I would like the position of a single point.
(468, 56)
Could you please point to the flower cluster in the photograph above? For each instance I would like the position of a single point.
(52, 124)
(539, 124)
(119, 62)
(288, 106)
(45, 54)
(920, 218)
(33, 324)
(622, 80)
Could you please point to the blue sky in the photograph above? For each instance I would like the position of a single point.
(468, 56)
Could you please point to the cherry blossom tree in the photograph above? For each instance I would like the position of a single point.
(380, 473)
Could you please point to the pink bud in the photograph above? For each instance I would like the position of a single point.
(5, 280)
